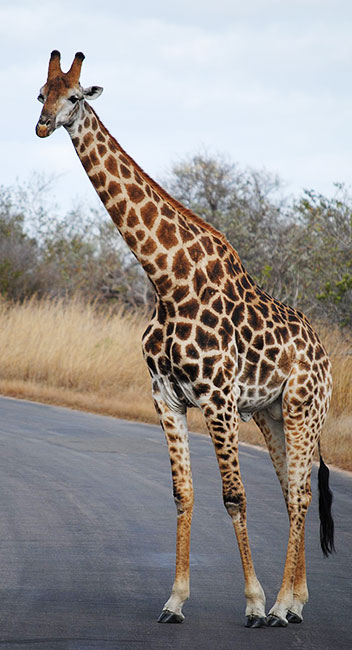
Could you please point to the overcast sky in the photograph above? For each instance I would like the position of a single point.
(267, 82)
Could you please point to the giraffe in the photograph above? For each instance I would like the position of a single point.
(216, 341)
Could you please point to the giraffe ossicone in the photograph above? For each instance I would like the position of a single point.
(216, 341)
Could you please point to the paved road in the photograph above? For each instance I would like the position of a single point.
(87, 526)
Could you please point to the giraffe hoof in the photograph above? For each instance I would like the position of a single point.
(293, 618)
(170, 617)
(276, 621)
(255, 621)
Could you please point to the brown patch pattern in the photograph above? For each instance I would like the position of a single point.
(236, 349)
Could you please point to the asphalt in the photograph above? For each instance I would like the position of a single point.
(87, 538)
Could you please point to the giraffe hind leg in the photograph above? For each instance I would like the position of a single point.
(274, 434)
(301, 433)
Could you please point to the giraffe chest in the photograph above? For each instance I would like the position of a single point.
(189, 365)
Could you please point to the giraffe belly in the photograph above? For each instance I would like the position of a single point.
(247, 406)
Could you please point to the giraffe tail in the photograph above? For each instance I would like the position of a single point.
(325, 501)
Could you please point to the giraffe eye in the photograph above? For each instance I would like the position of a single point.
(40, 98)
(73, 99)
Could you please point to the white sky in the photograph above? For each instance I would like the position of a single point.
(266, 82)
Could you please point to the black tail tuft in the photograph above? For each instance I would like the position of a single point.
(325, 501)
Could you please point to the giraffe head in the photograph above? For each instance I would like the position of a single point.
(62, 95)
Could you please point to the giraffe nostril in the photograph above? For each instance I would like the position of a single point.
(44, 120)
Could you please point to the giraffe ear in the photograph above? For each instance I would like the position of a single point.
(93, 92)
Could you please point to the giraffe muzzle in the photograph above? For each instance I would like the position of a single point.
(45, 126)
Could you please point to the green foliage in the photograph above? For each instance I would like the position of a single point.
(337, 291)
(43, 252)
(338, 294)
(18, 251)
(328, 226)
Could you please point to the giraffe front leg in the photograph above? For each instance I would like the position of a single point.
(255, 597)
(223, 428)
(176, 433)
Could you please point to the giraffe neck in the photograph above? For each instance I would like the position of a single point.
(172, 244)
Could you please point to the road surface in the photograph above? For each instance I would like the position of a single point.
(87, 536)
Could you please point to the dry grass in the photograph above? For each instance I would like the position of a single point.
(69, 353)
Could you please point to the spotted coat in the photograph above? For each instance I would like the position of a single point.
(216, 341)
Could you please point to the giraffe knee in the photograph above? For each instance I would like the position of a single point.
(299, 502)
(234, 503)
(183, 500)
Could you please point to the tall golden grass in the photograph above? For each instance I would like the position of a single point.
(71, 353)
